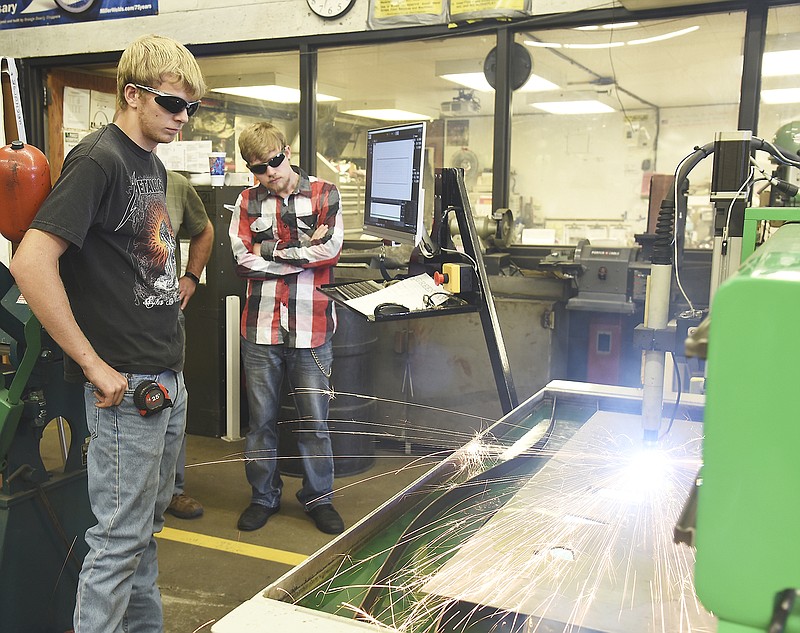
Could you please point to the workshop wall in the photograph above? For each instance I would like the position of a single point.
(204, 21)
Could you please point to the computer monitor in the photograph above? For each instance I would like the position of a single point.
(394, 195)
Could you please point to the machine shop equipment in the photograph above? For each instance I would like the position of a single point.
(528, 527)
(747, 482)
(604, 282)
(602, 308)
(466, 547)
(496, 232)
(748, 559)
(788, 138)
(43, 514)
(730, 189)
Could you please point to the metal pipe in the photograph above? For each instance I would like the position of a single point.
(656, 317)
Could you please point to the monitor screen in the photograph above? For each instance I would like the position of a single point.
(394, 195)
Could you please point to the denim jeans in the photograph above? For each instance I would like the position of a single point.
(180, 469)
(264, 368)
(131, 473)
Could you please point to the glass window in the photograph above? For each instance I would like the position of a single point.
(624, 104)
(383, 84)
(242, 89)
(245, 89)
(779, 113)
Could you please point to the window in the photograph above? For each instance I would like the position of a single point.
(650, 93)
(384, 84)
(779, 113)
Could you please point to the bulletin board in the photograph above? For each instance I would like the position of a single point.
(57, 81)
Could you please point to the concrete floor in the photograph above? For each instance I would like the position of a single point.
(199, 583)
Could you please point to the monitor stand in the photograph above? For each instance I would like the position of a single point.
(438, 249)
(451, 197)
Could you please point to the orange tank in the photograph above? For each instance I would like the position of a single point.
(24, 184)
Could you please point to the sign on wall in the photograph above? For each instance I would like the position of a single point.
(16, 14)
(401, 12)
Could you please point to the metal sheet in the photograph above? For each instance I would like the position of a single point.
(261, 614)
(588, 540)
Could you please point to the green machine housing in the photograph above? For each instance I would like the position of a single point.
(43, 513)
(748, 512)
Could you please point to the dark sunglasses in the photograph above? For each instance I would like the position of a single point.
(171, 103)
(261, 168)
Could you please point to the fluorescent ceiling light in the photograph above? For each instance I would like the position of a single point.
(591, 106)
(274, 93)
(647, 40)
(781, 95)
(620, 25)
(537, 44)
(389, 109)
(665, 36)
(608, 27)
(536, 83)
(598, 45)
(781, 64)
(477, 81)
(389, 114)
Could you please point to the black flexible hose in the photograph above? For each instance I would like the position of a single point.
(662, 246)
(672, 208)
(665, 225)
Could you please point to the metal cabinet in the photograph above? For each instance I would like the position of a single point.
(206, 360)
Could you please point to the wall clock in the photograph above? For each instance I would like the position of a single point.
(330, 9)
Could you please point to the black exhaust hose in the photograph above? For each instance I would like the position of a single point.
(665, 224)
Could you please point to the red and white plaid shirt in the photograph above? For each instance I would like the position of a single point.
(283, 305)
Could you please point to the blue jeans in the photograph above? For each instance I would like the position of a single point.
(131, 472)
(180, 469)
(308, 373)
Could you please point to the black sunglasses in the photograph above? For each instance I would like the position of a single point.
(261, 168)
(171, 103)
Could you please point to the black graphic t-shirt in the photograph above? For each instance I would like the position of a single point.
(120, 271)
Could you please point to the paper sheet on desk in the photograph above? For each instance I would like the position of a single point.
(410, 292)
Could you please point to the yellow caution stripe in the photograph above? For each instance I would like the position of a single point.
(233, 547)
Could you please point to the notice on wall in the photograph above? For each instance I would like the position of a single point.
(84, 112)
(76, 108)
(477, 9)
(387, 13)
(191, 156)
(101, 109)
(72, 138)
(391, 13)
(393, 9)
(16, 14)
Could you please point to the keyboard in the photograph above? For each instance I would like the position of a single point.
(357, 289)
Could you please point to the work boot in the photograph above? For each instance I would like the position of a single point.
(255, 516)
(184, 507)
(327, 519)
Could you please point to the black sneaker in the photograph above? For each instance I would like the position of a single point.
(255, 516)
(327, 519)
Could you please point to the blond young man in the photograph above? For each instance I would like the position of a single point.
(98, 269)
(286, 235)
